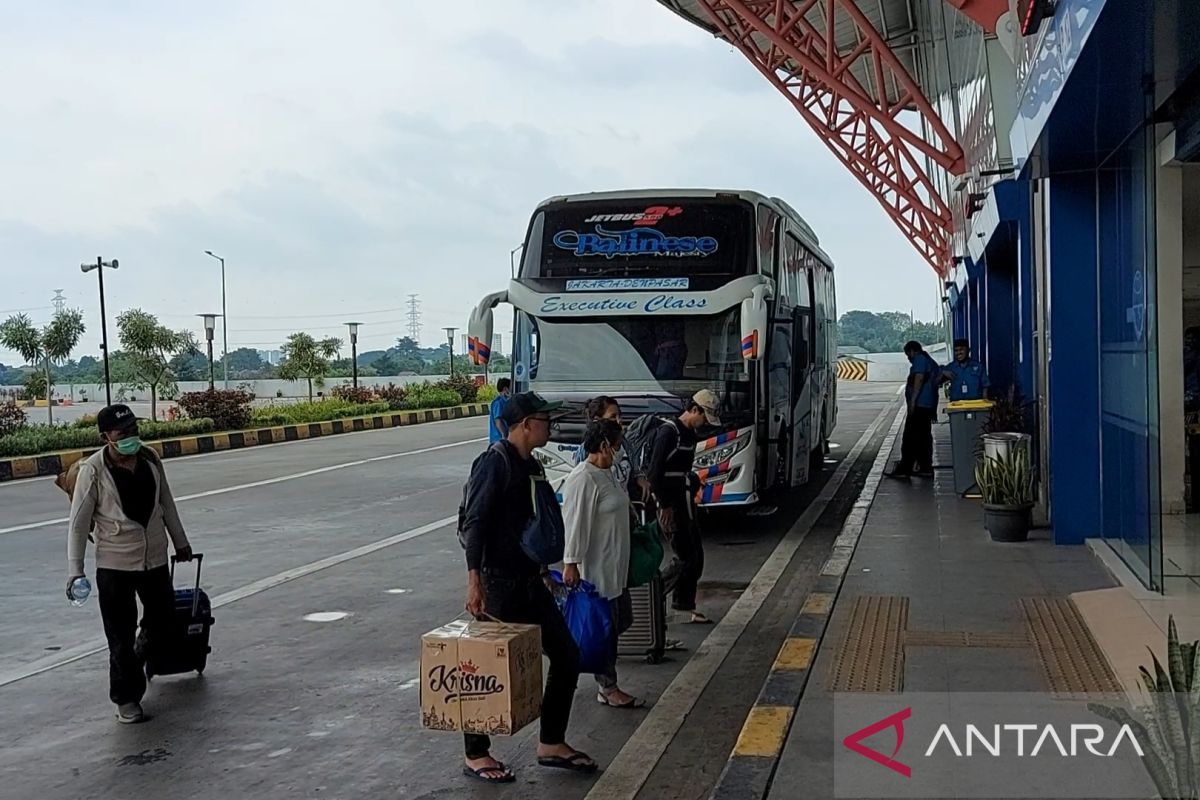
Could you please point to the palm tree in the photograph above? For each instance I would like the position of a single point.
(46, 347)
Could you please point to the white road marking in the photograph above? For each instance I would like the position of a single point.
(628, 772)
(94, 646)
(397, 591)
(270, 481)
(256, 448)
(325, 616)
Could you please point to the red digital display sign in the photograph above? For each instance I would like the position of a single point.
(1031, 13)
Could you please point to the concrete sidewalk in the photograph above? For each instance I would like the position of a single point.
(928, 603)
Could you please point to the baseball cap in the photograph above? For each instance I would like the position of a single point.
(526, 404)
(707, 400)
(117, 417)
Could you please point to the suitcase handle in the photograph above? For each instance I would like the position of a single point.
(640, 509)
(199, 559)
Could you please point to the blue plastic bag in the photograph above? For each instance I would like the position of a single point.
(590, 622)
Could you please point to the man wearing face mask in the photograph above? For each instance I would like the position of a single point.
(122, 502)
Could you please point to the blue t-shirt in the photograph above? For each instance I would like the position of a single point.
(967, 380)
(497, 430)
(924, 365)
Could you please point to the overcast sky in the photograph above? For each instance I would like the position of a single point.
(343, 155)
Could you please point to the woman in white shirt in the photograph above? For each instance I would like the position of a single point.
(604, 407)
(597, 514)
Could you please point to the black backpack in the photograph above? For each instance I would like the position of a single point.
(498, 447)
(638, 436)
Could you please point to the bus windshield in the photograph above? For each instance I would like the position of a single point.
(638, 355)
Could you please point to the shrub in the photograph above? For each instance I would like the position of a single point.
(35, 439)
(151, 431)
(351, 394)
(487, 393)
(431, 397)
(85, 422)
(12, 418)
(229, 410)
(462, 385)
(392, 394)
(316, 411)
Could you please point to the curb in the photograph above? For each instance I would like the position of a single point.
(751, 766)
(12, 469)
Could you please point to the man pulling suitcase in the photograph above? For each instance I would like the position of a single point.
(122, 500)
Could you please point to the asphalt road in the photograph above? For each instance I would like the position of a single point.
(360, 524)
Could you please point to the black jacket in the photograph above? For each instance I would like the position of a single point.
(498, 506)
(672, 453)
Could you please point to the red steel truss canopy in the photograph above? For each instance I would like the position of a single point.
(851, 91)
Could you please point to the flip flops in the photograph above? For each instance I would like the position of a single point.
(506, 775)
(576, 762)
(634, 702)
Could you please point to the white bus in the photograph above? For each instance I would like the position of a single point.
(649, 296)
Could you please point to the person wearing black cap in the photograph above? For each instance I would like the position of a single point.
(504, 583)
(122, 501)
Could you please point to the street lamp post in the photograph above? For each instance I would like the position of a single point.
(99, 267)
(353, 326)
(210, 324)
(224, 324)
(450, 339)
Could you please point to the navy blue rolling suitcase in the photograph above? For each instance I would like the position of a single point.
(188, 649)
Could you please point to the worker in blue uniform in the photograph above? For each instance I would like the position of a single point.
(967, 378)
(916, 444)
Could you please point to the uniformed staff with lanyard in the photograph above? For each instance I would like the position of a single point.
(967, 378)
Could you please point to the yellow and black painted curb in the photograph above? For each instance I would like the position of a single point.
(751, 766)
(850, 369)
(52, 464)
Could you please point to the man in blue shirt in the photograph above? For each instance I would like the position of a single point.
(497, 428)
(916, 446)
(967, 378)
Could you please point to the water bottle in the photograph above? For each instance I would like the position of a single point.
(81, 589)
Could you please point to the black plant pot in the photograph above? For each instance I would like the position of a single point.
(1008, 523)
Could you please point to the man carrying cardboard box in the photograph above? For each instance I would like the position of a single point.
(504, 583)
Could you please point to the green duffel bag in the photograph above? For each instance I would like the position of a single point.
(645, 555)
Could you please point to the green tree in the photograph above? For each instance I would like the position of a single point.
(244, 362)
(305, 358)
(150, 347)
(886, 332)
(44, 348)
(190, 366)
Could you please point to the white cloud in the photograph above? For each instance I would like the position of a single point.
(343, 155)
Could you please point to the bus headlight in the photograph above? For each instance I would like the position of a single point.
(549, 460)
(721, 454)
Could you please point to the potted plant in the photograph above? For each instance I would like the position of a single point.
(1006, 482)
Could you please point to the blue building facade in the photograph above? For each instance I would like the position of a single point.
(1073, 277)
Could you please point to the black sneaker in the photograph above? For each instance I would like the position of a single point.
(898, 474)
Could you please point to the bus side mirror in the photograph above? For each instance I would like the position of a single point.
(754, 325)
(479, 336)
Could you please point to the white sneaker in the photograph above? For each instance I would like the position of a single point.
(130, 714)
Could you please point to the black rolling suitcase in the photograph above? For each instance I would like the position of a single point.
(647, 636)
(188, 649)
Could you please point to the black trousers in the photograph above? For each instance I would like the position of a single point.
(916, 445)
(119, 591)
(688, 566)
(527, 601)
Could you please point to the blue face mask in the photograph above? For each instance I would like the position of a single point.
(128, 446)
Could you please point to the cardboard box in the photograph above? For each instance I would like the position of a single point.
(481, 677)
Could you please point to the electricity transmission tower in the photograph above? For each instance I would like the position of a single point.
(60, 302)
(414, 318)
